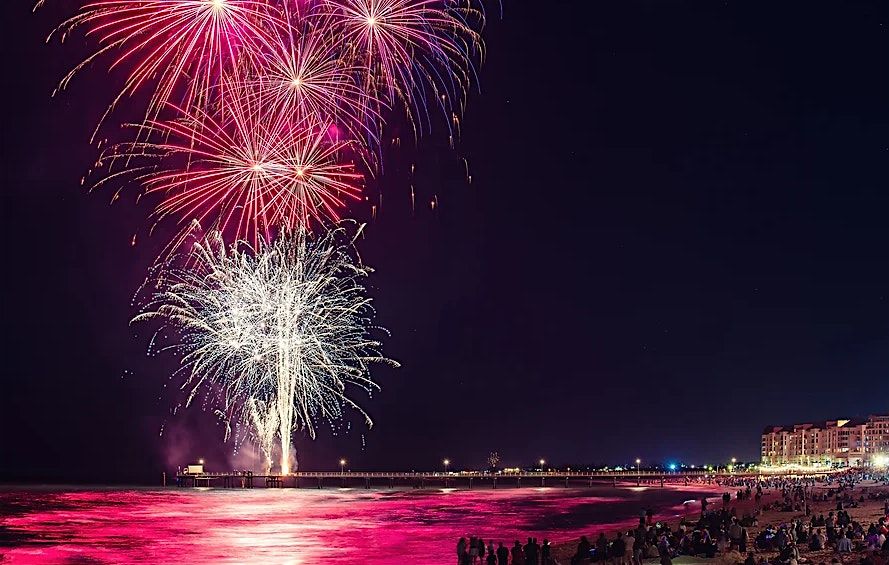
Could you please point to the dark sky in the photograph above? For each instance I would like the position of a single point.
(676, 233)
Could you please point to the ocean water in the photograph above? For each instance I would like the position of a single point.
(304, 526)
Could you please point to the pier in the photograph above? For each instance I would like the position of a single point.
(470, 480)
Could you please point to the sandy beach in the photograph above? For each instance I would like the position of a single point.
(867, 512)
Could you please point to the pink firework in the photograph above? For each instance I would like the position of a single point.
(304, 74)
(411, 50)
(248, 173)
(179, 49)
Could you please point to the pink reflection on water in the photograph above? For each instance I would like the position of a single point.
(290, 526)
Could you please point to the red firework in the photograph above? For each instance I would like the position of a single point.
(179, 49)
(248, 172)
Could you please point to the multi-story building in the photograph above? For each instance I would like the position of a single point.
(846, 443)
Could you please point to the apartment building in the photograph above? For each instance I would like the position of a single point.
(844, 443)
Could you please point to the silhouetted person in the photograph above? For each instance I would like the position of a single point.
(602, 548)
(518, 554)
(532, 553)
(502, 554)
(583, 551)
(545, 550)
(619, 549)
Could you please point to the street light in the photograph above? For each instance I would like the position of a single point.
(200, 461)
(732, 468)
(638, 462)
(342, 466)
(446, 463)
(542, 463)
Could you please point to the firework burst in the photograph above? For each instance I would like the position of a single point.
(280, 333)
(306, 76)
(412, 51)
(181, 50)
(247, 173)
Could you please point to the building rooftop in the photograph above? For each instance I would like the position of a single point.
(819, 424)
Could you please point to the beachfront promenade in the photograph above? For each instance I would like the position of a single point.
(469, 479)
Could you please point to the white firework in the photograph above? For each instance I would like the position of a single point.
(281, 333)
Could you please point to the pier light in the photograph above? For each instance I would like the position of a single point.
(446, 463)
(200, 461)
(342, 465)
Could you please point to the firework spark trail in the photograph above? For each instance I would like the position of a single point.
(184, 48)
(413, 50)
(281, 332)
(247, 173)
(306, 75)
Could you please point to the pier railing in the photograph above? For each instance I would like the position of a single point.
(298, 479)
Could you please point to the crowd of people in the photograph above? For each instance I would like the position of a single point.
(473, 551)
(806, 537)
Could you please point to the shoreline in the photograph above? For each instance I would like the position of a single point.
(867, 512)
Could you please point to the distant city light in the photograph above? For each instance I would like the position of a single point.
(672, 466)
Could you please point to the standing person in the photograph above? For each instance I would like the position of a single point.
(481, 550)
(619, 549)
(502, 554)
(473, 550)
(491, 548)
(545, 552)
(532, 554)
(629, 547)
(704, 504)
(602, 548)
(583, 551)
(492, 559)
(461, 548)
(734, 533)
(518, 555)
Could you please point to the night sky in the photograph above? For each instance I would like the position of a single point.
(675, 234)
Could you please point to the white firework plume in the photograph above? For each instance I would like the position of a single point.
(281, 333)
